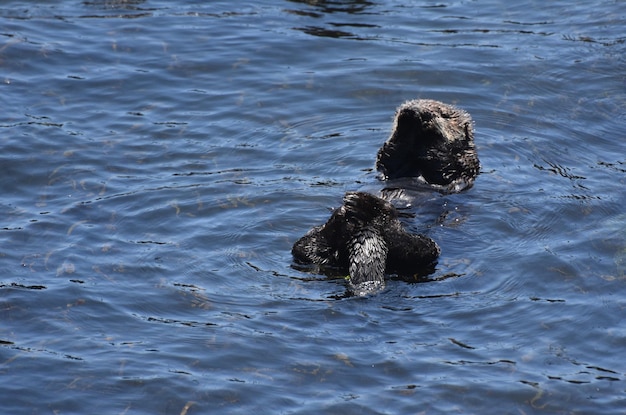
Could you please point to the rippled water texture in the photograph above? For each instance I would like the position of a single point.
(160, 159)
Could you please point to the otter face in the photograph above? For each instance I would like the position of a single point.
(431, 140)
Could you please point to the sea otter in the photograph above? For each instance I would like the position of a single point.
(431, 142)
(431, 146)
(365, 239)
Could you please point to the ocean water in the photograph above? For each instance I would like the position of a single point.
(159, 160)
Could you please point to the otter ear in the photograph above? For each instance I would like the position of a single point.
(368, 258)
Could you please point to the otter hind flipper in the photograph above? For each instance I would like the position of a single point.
(367, 261)
(411, 254)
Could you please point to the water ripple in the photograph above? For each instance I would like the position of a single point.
(159, 162)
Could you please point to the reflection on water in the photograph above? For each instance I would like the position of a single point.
(159, 162)
(318, 10)
(115, 4)
(323, 7)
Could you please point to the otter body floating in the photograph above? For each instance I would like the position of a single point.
(365, 239)
(432, 142)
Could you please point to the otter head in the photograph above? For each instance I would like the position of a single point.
(433, 141)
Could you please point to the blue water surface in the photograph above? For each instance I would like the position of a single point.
(159, 159)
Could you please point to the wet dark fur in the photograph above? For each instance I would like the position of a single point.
(364, 239)
(432, 144)
(433, 141)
